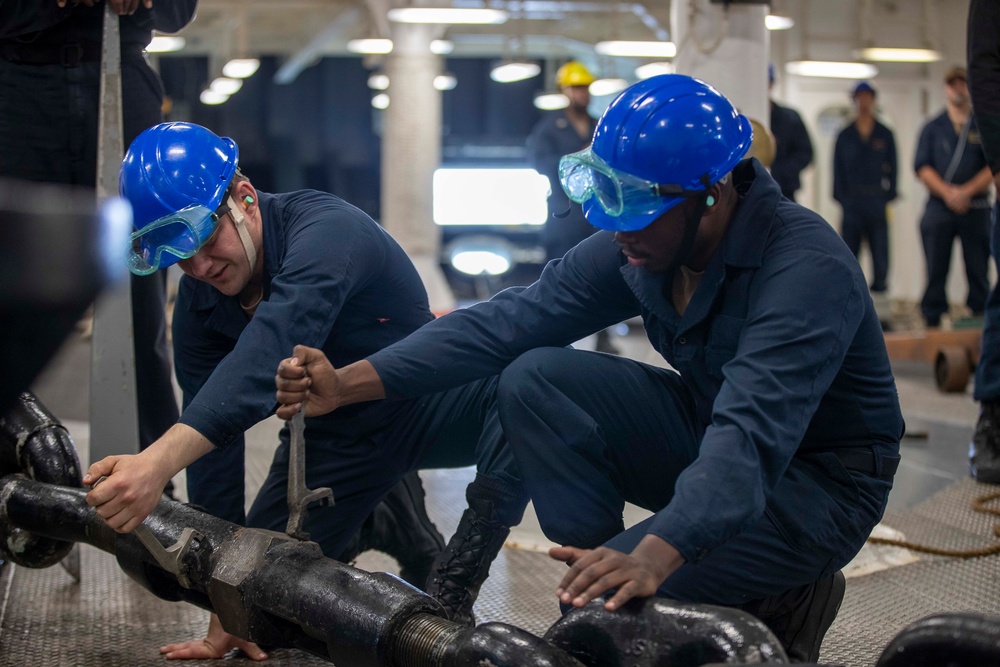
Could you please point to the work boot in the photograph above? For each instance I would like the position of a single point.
(799, 618)
(399, 526)
(463, 566)
(984, 449)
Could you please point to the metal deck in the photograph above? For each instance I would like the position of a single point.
(108, 620)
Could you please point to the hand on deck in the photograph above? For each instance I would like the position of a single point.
(216, 644)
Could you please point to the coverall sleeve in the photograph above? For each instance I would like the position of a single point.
(172, 15)
(984, 74)
(801, 154)
(576, 296)
(796, 336)
(893, 168)
(839, 170)
(324, 265)
(922, 156)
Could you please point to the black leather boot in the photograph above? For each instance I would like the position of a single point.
(984, 450)
(399, 526)
(799, 618)
(464, 564)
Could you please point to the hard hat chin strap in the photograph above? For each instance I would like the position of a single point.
(691, 224)
(241, 228)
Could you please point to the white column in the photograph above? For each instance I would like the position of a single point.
(411, 151)
(728, 48)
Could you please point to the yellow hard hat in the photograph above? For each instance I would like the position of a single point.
(574, 73)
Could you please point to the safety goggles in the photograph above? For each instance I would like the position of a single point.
(170, 239)
(584, 175)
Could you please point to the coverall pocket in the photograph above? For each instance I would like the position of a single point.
(816, 502)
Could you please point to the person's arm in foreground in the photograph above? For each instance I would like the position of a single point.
(135, 482)
(308, 377)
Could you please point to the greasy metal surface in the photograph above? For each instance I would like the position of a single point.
(107, 620)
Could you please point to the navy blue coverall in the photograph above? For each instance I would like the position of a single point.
(864, 182)
(50, 74)
(553, 137)
(984, 86)
(793, 150)
(333, 279)
(767, 459)
(939, 144)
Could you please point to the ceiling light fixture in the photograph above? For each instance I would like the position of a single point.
(225, 86)
(240, 68)
(378, 81)
(381, 101)
(370, 46)
(648, 49)
(654, 69)
(893, 55)
(551, 101)
(166, 44)
(209, 96)
(442, 47)
(448, 15)
(836, 70)
(608, 87)
(778, 22)
(445, 81)
(508, 72)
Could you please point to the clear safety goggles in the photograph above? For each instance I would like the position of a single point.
(169, 239)
(584, 175)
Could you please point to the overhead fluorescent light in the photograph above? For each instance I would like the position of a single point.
(509, 72)
(166, 44)
(608, 87)
(778, 22)
(447, 15)
(378, 81)
(637, 49)
(551, 101)
(225, 86)
(892, 55)
(442, 47)
(835, 70)
(370, 46)
(654, 69)
(240, 68)
(445, 81)
(209, 96)
(381, 101)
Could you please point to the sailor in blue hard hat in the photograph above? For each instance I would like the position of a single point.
(765, 451)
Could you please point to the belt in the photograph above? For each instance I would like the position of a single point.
(864, 459)
(67, 55)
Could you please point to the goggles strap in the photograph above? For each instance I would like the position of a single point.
(241, 228)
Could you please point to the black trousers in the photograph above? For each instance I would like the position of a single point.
(938, 230)
(864, 218)
(48, 133)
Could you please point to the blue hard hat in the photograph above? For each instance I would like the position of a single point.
(863, 87)
(171, 166)
(175, 175)
(662, 140)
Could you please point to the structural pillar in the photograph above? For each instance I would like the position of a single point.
(728, 47)
(411, 151)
